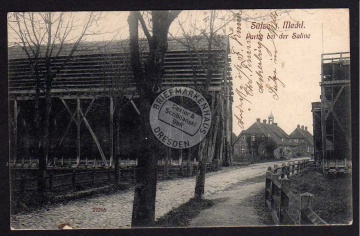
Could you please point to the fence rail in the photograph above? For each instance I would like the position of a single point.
(287, 207)
(25, 180)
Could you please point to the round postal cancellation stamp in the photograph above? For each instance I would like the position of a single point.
(180, 117)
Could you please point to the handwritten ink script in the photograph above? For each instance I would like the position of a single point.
(255, 57)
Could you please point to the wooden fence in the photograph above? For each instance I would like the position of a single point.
(66, 178)
(287, 207)
(57, 181)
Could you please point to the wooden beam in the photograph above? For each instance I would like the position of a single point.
(111, 130)
(87, 109)
(78, 137)
(341, 126)
(95, 138)
(15, 130)
(334, 101)
(69, 124)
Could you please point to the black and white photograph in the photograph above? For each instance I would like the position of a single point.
(180, 119)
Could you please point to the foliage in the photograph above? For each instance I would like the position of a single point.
(264, 143)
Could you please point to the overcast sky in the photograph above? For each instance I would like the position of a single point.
(297, 60)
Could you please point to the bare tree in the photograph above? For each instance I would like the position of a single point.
(202, 32)
(48, 41)
(148, 80)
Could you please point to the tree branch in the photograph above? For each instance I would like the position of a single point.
(143, 25)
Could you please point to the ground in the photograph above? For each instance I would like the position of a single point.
(332, 195)
(234, 194)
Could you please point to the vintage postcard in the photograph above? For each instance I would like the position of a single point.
(192, 118)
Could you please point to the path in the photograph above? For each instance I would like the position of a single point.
(230, 209)
(170, 194)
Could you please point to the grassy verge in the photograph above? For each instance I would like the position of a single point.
(332, 195)
(257, 201)
(182, 215)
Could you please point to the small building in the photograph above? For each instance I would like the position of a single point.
(256, 141)
(303, 141)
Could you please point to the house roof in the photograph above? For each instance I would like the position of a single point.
(302, 133)
(275, 132)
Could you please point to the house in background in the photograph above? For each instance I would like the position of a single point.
(254, 142)
(303, 140)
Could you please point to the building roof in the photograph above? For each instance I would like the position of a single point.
(272, 130)
(98, 67)
(120, 46)
(302, 133)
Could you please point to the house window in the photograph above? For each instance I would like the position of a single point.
(243, 137)
(268, 135)
(253, 137)
(308, 149)
(242, 149)
(282, 139)
(263, 137)
(264, 151)
(295, 140)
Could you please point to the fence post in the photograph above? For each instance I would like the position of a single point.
(288, 169)
(306, 200)
(274, 193)
(292, 168)
(93, 177)
(284, 199)
(283, 170)
(22, 184)
(51, 181)
(275, 168)
(73, 179)
(268, 186)
(297, 168)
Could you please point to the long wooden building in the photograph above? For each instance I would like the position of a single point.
(86, 90)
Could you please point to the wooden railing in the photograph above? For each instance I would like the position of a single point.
(70, 179)
(287, 207)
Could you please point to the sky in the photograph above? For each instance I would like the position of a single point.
(298, 65)
(297, 61)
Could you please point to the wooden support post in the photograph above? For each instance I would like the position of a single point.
(95, 138)
(78, 137)
(15, 131)
(275, 168)
(283, 170)
(306, 200)
(51, 181)
(284, 199)
(22, 184)
(274, 194)
(268, 188)
(111, 131)
(73, 179)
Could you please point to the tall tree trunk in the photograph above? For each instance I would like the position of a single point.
(148, 82)
(117, 144)
(200, 177)
(146, 174)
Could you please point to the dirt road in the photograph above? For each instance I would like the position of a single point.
(118, 206)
